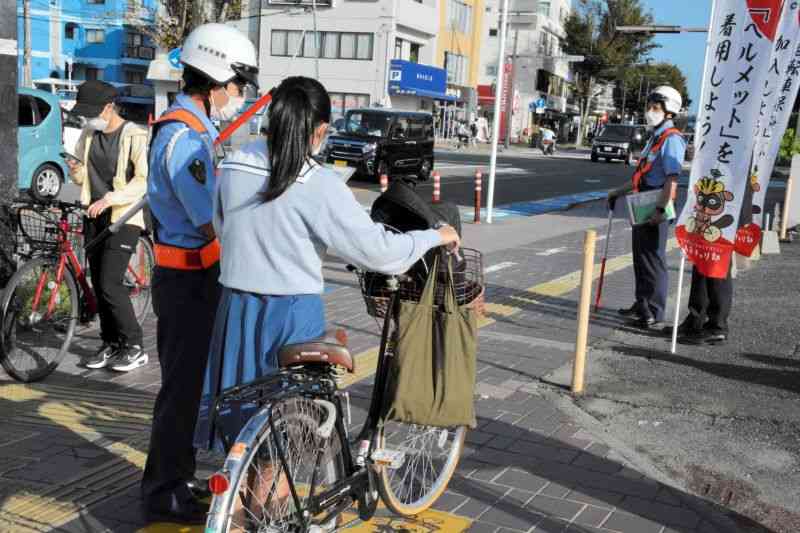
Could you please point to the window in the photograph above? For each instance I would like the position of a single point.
(414, 55)
(491, 70)
(134, 39)
(460, 16)
(44, 108)
(493, 32)
(456, 67)
(401, 128)
(26, 116)
(343, 102)
(544, 8)
(93, 73)
(95, 36)
(398, 48)
(135, 77)
(70, 30)
(416, 128)
(332, 45)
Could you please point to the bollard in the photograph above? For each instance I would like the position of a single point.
(384, 182)
(437, 190)
(478, 187)
(579, 367)
(785, 217)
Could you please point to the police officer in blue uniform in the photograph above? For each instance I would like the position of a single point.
(218, 62)
(659, 168)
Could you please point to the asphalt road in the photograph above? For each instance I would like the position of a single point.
(519, 178)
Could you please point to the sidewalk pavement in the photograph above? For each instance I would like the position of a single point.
(72, 448)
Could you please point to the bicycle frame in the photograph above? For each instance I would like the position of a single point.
(356, 482)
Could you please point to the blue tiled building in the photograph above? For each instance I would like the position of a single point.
(89, 39)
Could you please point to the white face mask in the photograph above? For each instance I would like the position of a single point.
(654, 118)
(97, 123)
(229, 110)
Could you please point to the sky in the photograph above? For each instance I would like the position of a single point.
(686, 50)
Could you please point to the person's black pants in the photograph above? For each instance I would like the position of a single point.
(650, 269)
(185, 303)
(710, 302)
(108, 262)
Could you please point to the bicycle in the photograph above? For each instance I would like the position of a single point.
(49, 294)
(291, 468)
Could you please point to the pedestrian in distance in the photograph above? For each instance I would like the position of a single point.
(548, 140)
(110, 165)
(473, 130)
(463, 135)
(276, 210)
(659, 168)
(218, 62)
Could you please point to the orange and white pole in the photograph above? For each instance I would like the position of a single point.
(478, 188)
(384, 182)
(437, 188)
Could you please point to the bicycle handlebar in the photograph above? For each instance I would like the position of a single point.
(58, 204)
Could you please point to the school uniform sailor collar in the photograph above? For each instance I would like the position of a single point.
(310, 167)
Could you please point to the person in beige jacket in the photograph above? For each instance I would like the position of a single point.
(112, 173)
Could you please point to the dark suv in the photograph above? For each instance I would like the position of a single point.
(384, 141)
(619, 141)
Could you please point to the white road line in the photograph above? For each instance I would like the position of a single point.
(551, 251)
(498, 266)
(592, 181)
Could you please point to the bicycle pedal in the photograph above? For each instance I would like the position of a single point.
(392, 459)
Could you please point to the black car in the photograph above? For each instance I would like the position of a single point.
(384, 141)
(619, 141)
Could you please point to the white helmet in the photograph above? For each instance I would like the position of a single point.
(668, 96)
(221, 53)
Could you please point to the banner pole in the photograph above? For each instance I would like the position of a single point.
(678, 304)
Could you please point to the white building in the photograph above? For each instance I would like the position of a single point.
(540, 75)
(358, 42)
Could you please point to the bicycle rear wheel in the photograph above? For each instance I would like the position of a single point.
(138, 277)
(259, 498)
(37, 332)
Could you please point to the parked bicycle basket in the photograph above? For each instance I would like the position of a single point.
(468, 282)
(37, 229)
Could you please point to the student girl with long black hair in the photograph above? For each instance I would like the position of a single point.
(276, 211)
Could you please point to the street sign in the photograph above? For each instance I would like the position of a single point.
(174, 58)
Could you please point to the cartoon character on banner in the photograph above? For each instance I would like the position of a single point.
(755, 186)
(711, 197)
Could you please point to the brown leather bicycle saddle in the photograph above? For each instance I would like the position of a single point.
(328, 349)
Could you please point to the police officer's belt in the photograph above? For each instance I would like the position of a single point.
(187, 258)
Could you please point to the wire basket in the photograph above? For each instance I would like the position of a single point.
(467, 281)
(38, 231)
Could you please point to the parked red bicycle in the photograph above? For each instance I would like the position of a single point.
(50, 293)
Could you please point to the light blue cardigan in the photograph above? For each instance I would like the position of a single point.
(277, 247)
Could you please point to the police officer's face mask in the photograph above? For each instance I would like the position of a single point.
(229, 110)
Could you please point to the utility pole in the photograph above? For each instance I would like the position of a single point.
(496, 121)
(27, 80)
(510, 99)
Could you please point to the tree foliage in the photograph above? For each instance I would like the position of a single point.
(638, 78)
(591, 32)
(171, 21)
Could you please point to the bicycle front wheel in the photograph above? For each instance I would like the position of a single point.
(139, 276)
(259, 498)
(431, 457)
(39, 314)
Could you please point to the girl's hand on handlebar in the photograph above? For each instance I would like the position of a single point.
(450, 238)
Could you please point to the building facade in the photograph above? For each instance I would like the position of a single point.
(368, 53)
(541, 77)
(77, 40)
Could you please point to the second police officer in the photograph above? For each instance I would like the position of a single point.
(218, 62)
(659, 168)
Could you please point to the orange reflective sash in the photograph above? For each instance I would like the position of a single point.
(181, 115)
(645, 165)
(187, 258)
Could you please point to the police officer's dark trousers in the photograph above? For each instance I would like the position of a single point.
(185, 302)
(650, 269)
(710, 302)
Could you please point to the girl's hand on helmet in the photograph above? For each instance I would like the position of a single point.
(450, 238)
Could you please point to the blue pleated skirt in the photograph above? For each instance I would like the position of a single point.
(248, 332)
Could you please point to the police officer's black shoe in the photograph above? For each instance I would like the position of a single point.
(646, 323)
(199, 488)
(630, 311)
(706, 336)
(168, 507)
(684, 329)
